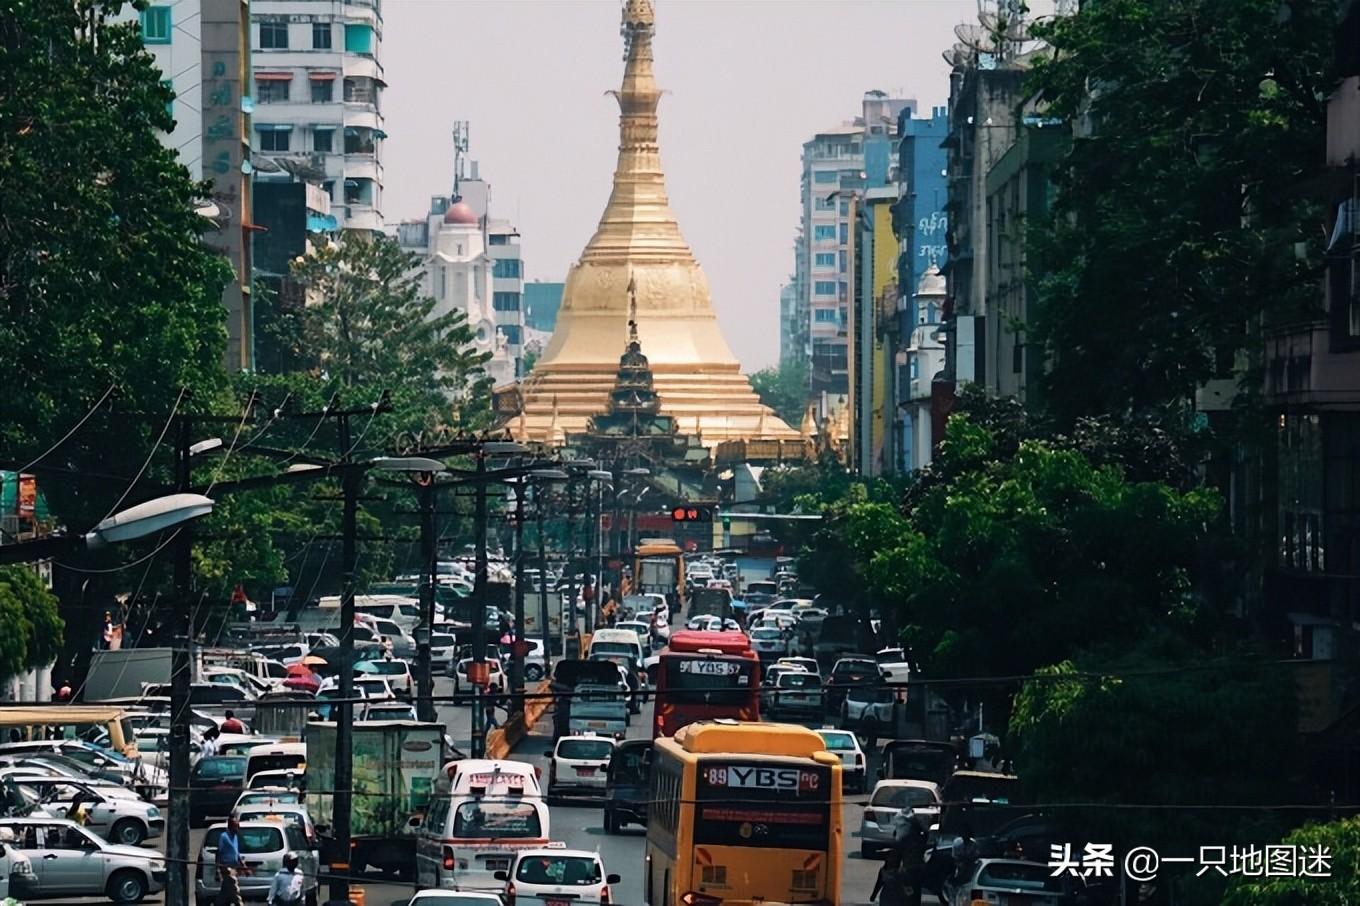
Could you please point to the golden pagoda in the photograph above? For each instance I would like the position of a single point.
(638, 244)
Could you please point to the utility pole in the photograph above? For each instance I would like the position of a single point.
(477, 673)
(543, 583)
(344, 719)
(571, 574)
(177, 836)
(429, 566)
(592, 531)
(517, 652)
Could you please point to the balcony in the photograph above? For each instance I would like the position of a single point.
(362, 217)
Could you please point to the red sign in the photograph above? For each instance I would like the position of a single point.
(28, 496)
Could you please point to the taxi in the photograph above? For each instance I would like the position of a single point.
(580, 764)
(554, 876)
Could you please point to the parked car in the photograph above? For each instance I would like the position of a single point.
(460, 680)
(263, 846)
(71, 861)
(214, 785)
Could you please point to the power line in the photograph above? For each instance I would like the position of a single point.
(67, 436)
(183, 391)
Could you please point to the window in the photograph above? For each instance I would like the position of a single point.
(824, 259)
(511, 333)
(440, 288)
(273, 34)
(361, 90)
(824, 288)
(272, 139)
(358, 140)
(826, 204)
(824, 316)
(501, 301)
(323, 91)
(823, 231)
(842, 260)
(156, 25)
(845, 233)
(359, 38)
(507, 267)
(321, 36)
(271, 91)
(169, 86)
(825, 176)
(500, 239)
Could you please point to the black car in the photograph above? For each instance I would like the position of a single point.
(215, 783)
(627, 785)
(846, 673)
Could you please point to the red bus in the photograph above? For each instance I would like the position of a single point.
(705, 676)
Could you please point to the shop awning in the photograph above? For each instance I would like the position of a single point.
(321, 76)
(273, 77)
(318, 223)
(273, 127)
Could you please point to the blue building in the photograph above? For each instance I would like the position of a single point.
(920, 218)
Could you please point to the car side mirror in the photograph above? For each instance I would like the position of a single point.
(501, 876)
(417, 820)
(612, 879)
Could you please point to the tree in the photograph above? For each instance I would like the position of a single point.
(1164, 725)
(784, 389)
(1175, 226)
(1339, 887)
(32, 629)
(104, 280)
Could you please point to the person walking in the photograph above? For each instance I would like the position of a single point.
(890, 883)
(230, 864)
(208, 747)
(910, 849)
(287, 887)
(490, 701)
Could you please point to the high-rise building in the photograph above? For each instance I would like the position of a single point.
(202, 48)
(790, 328)
(507, 265)
(318, 81)
(838, 163)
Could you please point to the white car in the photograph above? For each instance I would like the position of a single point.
(443, 652)
(893, 664)
(388, 711)
(455, 898)
(115, 813)
(550, 875)
(270, 797)
(769, 641)
(712, 624)
(282, 779)
(374, 687)
(460, 681)
(887, 808)
(845, 745)
(807, 663)
(294, 813)
(580, 764)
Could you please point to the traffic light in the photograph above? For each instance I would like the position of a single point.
(691, 514)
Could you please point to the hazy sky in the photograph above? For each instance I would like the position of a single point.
(748, 82)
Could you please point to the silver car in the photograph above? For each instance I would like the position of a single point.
(886, 810)
(70, 861)
(263, 846)
(113, 812)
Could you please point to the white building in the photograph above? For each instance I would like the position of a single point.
(925, 359)
(507, 271)
(172, 33)
(318, 81)
(453, 250)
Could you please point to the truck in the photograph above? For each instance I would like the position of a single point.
(123, 673)
(710, 602)
(570, 676)
(394, 765)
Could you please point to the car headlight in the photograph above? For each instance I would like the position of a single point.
(157, 865)
(153, 812)
(23, 868)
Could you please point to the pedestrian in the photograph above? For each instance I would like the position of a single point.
(490, 699)
(65, 693)
(890, 883)
(386, 647)
(287, 887)
(910, 839)
(208, 747)
(230, 864)
(231, 724)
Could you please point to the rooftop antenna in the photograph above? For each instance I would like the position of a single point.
(460, 150)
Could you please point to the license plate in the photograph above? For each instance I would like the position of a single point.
(549, 901)
(596, 724)
(497, 864)
(586, 772)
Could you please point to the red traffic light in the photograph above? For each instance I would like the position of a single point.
(678, 514)
(691, 514)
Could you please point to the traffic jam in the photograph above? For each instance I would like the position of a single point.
(711, 721)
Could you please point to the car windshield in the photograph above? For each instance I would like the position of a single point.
(440, 640)
(839, 742)
(254, 840)
(767, 633)
(621, 649)
(844, 667)
(221, 767)
(903, 797)
(1021, 875)
(389, 668)
(276, 797)
(585, 748)
(797, 681)
(479, 818)
(559, 870)
(265, 814)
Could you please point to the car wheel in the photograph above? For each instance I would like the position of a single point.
(128, 832)
(533, 673)
(127, 887)
(868, 852)
(611, 825)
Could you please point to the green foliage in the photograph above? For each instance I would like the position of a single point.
(1163, 724)
(1173, 232)
(30, 629)
(1342, 839)
(784, 389)
(104, 279)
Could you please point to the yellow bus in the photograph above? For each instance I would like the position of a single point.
(743, 813)
(659, 568)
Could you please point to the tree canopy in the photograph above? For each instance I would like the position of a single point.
(30, 628)
(784, 389)
(1175, 226)
(1337, 883)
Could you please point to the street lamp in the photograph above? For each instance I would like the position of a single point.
(126, 525)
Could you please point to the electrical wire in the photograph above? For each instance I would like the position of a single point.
(183, 391)
(273, 417)
(245, 415)
(67, 436)
(321, 420)
(117, 569)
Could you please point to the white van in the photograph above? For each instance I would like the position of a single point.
(276, 756)
(616, 641)
(465, 840)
